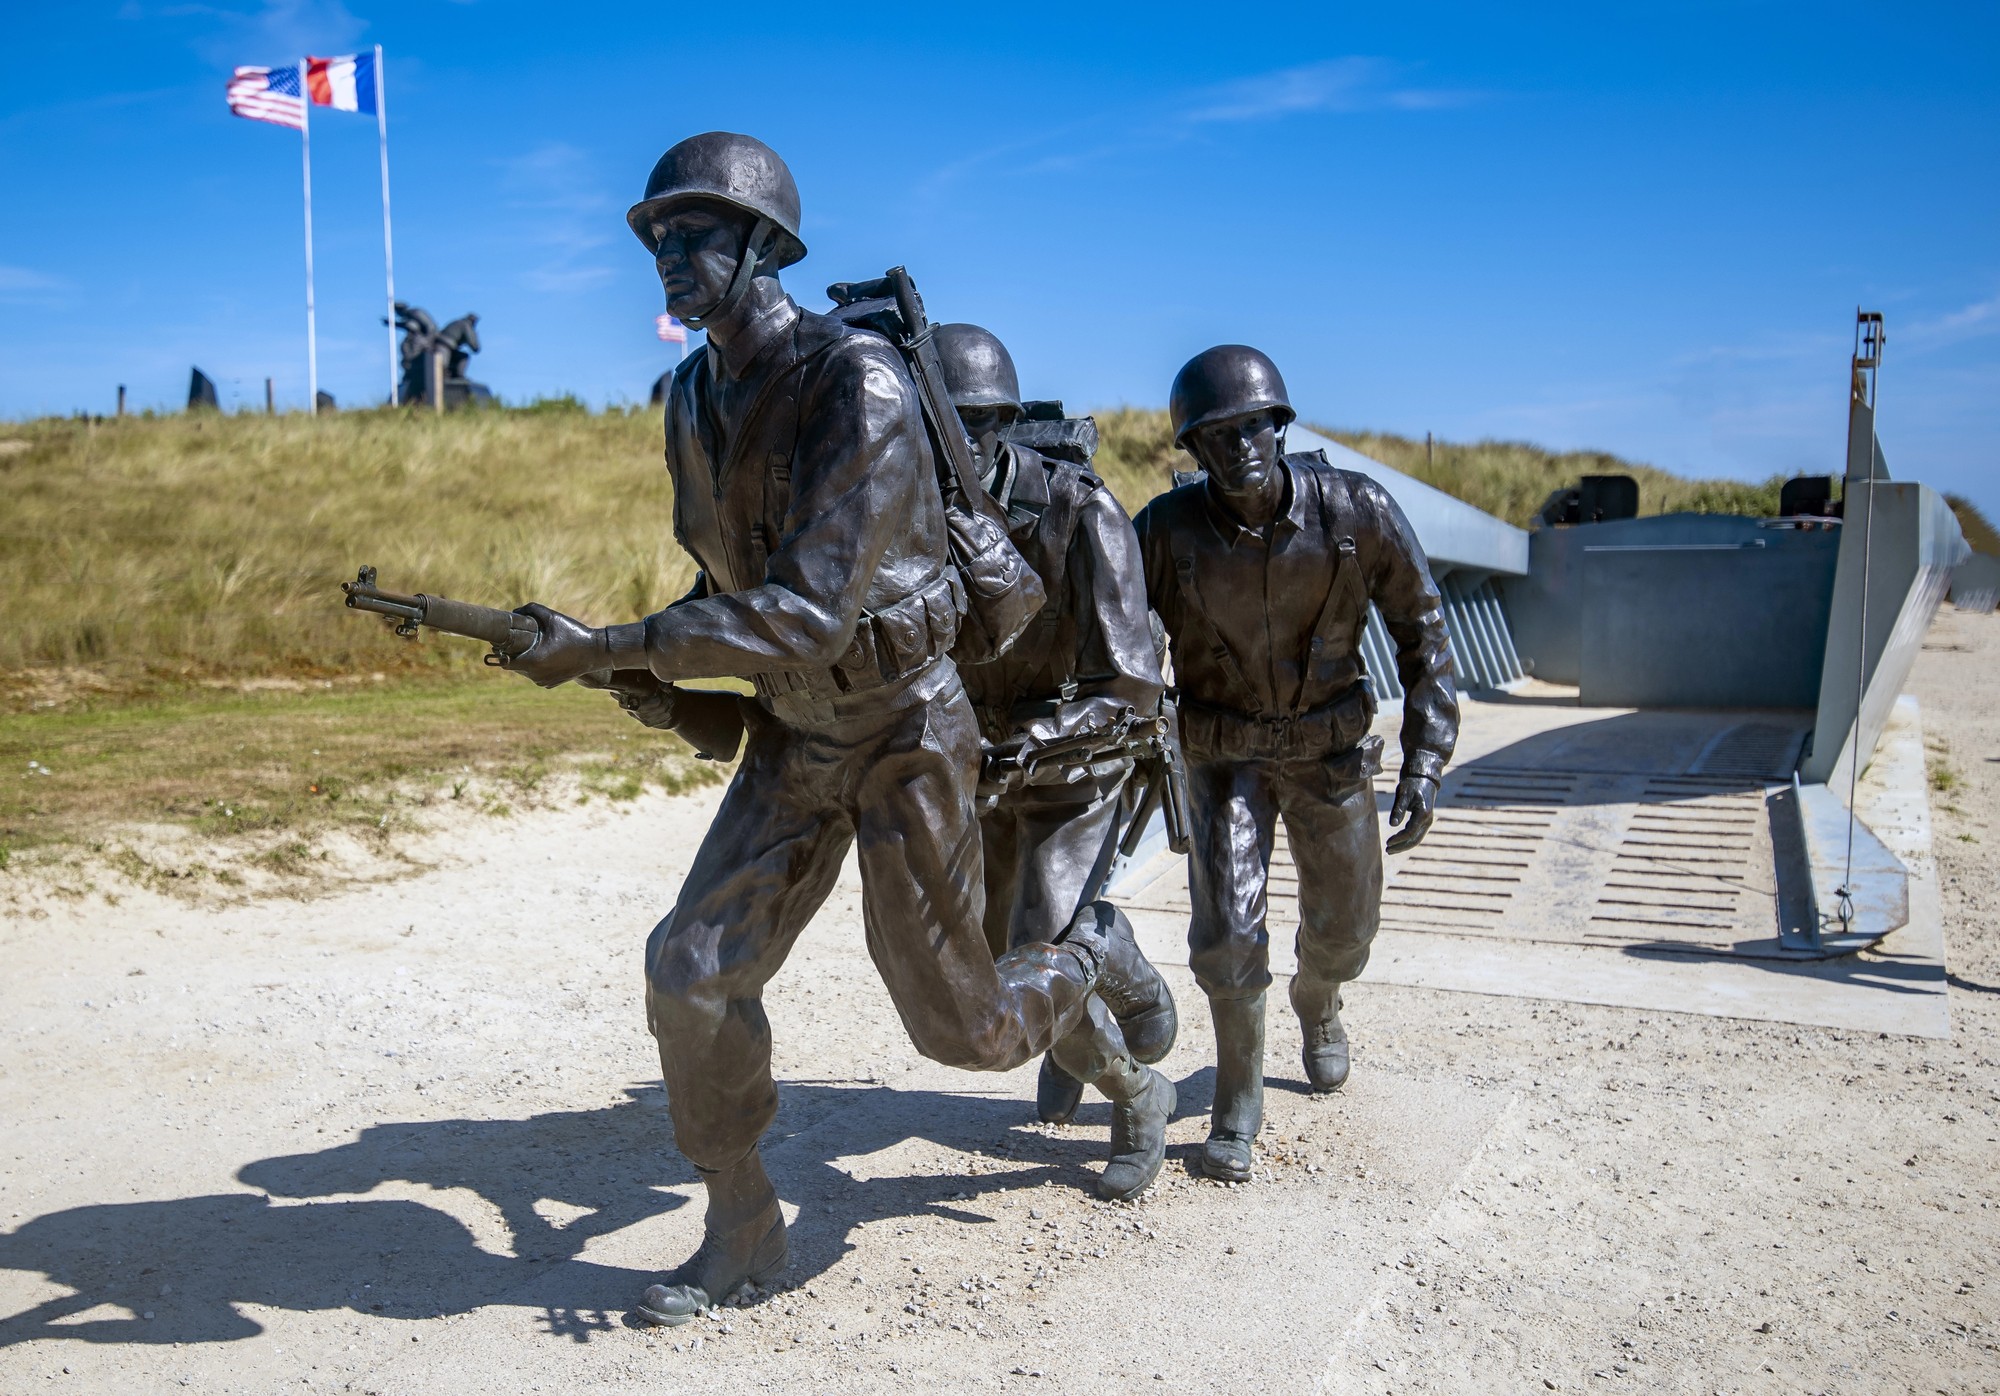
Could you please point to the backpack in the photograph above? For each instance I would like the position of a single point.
(1044, 430)
(1002, 592)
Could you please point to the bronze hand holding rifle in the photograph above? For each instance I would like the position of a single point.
(544, 644)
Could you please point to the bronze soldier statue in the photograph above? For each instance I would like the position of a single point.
(1087, 663)
(805, 489)
(1262, 572)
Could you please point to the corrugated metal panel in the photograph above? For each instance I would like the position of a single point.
(1380, 657)
(1481, 643)
(1482, 647)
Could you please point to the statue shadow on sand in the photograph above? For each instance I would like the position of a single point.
(181, 1268)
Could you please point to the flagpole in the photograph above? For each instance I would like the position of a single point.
(312, 329)
(388, 242)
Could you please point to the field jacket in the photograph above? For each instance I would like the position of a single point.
(805, 490)
(1266, 624)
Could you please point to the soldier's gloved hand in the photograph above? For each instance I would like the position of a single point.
(655, 710)
(566, 649)
(638, 693)
(1415, 806)
(1000, 771)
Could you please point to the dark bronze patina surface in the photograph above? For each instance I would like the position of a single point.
(1262, 571)
(807, 491)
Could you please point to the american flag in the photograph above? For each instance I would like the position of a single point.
(671, 330)
(268, 94)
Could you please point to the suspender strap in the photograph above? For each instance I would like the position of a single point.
(1347, 597)
(1068, 488)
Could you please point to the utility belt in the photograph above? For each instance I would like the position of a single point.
(1338, 725)
(890, 645)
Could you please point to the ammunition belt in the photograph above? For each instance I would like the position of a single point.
(1340, 724)
(889, 645)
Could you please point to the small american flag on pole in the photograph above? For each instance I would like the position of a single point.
(671, 330)
(268, 94)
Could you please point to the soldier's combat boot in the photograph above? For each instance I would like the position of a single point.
(1142, 1101)
(1326, 1059)
(743, 1242)
(1131, 988)
(1239, 1088)
(1057, 1094)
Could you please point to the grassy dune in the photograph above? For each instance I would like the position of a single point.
(177, 655)
(1508, 478)
(176, 647)
(202, 546)
(1513, 478)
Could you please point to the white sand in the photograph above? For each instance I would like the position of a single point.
(408, 1138)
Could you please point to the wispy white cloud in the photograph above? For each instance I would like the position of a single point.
(1334, 85)
(270, 32)
(553, 280)
(1980, 318)
(1773, 348)
(25, 285)
(1330, 86)
(567, 211)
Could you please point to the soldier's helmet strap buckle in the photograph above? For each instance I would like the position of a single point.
(755, 250)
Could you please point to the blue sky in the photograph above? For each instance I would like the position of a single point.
(1642, 229)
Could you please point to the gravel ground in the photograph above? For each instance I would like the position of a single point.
(409, 1138)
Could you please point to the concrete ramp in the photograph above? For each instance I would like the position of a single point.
(1643, 858)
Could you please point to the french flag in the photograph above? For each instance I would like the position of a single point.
(346, 83)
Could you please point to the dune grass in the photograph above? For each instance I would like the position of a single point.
(201, 546)
(177, 654)
(1510, 479)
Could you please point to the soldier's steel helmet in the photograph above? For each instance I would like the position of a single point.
(740, 171)
(1226, 381)
(978, 370)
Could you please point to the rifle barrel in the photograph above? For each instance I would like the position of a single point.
(509, 632)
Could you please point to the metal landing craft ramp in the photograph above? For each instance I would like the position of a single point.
(1643, 858)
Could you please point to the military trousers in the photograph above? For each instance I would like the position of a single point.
(891, 773)
(1335, 837)
(1041, 845)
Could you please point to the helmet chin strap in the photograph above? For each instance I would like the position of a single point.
(754, 251)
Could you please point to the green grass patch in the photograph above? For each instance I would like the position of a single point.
(288, 766)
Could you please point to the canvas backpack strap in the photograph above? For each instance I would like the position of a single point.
(1346, 605)
(1069, 488)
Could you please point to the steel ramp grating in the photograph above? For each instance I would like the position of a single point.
(1673, 859)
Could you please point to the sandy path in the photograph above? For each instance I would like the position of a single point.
(408, 1139)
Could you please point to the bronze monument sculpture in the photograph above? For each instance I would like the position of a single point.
(838, 573)
(899, 571)
(434, 360)
(1262, 571)
(1075, 680)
